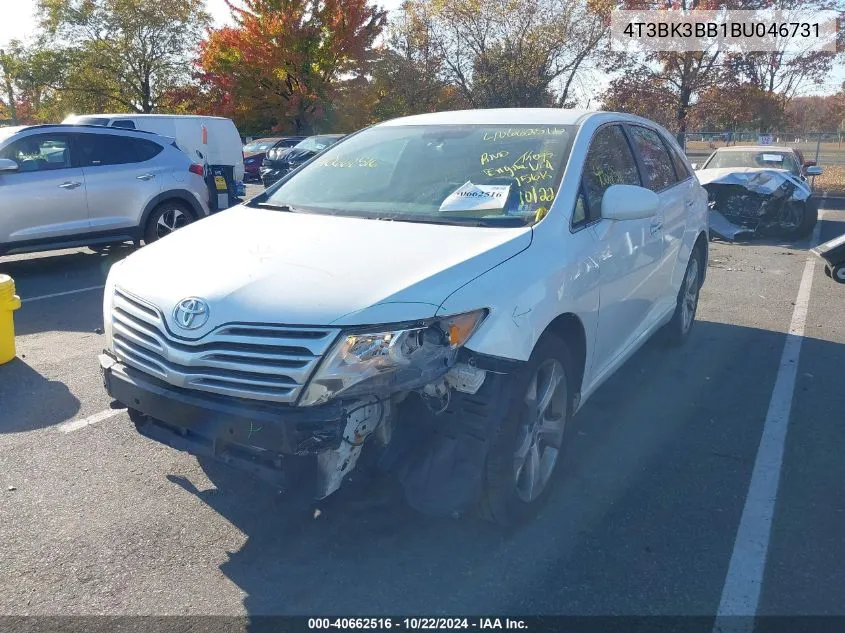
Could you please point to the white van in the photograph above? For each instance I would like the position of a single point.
(216, 138)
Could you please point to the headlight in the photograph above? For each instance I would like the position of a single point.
(391, 359)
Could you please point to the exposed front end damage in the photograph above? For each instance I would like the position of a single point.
(433, 436)
(758, 202)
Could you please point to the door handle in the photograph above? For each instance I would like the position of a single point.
(656, 226)
(146, 177)
(70, 185)
(690, 203)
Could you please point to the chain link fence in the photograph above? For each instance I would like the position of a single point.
(827, 149)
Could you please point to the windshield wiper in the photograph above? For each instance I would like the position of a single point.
(276, 207)
(509, 222)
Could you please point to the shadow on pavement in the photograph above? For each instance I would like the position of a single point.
(66, 263)
(29, 401)
(652, 481)
(81, 313)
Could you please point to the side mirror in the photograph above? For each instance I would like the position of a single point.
(694, 166)
(7, 164)
(814, 170)
(628, 202)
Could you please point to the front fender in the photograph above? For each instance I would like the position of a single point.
(556, 275)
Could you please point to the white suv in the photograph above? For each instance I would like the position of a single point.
(70, 185)
(441, 291)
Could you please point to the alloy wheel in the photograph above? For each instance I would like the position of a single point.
(541, 433)
(689, 300)
(171, 220)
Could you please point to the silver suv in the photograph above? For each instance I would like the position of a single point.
(65, 186)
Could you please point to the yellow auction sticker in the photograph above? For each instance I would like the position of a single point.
(220, 183)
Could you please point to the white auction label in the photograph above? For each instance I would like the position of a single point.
(470, 197)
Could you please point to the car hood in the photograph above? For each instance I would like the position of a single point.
(264, 266)
(763, 180)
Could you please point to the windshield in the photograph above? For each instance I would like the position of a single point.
(317, 143)
(773, 159)
(259, 146)
(473, 174)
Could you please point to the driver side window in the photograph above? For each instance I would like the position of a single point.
(609, 161)
(41, 152)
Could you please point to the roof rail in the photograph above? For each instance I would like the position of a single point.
(92, 127)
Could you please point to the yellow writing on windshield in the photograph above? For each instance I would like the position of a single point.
(533, 195)
(348, 163)
(527, 132)
(489, 158)
(528, 168)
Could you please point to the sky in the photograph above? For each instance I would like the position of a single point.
(18, 21)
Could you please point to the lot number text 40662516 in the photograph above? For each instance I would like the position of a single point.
(419, 623)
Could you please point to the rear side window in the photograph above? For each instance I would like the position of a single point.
(97, 150)
(126, 124)
(145, 150)
(659, 171)
(609, 162)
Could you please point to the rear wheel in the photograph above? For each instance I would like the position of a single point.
(165, 219)
(524, 455)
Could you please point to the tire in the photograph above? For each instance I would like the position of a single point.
(678, 329)
(508, 497)
(167, 217)
(838, 273)
(809, 218)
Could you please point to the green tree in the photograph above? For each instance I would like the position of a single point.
(126, 54)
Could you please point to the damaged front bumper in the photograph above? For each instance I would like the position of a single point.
(746, 203)
(438, 451)
(248, 434)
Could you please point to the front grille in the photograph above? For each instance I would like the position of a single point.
(258, 361)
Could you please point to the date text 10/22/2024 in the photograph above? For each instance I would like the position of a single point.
(418, 623)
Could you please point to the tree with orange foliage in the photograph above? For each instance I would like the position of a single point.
(283, 62)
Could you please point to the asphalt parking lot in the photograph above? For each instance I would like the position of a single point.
(651, 515)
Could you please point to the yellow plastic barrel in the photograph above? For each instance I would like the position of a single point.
(9, 302)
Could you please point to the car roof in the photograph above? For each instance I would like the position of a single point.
(511, 116)
(124, 115)
(755, 148)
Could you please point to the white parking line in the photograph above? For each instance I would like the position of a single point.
(62, 294)
(75, 425)
(741, 592)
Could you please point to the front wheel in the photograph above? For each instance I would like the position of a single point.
(678, 329)
(524, 455)
(166, 218)
(838, 273)
(799, 218)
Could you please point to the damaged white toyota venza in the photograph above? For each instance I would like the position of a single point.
(441, 292)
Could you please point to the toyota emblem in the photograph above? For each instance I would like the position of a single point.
(191, 313)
